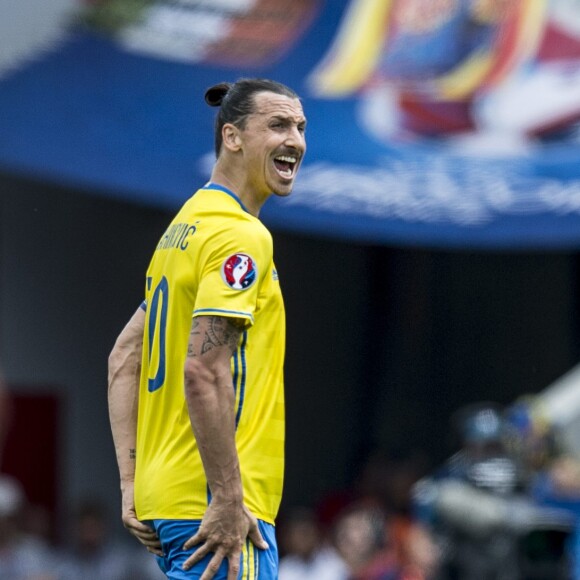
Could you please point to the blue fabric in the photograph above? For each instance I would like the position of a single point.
(174, 533)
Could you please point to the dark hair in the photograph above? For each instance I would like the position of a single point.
(236, 102)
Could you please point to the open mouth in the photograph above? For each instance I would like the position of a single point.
(286, 165)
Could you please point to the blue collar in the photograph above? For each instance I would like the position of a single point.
(211, 185)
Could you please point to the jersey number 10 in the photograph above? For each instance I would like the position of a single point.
(157, 330)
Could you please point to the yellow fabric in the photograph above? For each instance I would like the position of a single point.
(185, 279)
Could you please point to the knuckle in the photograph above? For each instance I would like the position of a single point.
(234, 567)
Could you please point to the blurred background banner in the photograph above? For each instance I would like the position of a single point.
(440, 123)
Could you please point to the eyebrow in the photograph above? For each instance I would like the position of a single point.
(287, 118)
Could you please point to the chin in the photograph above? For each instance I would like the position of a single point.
(281, 189)
(283, 192)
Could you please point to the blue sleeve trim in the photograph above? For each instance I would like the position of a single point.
(143, 305)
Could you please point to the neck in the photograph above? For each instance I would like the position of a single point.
(237, 182)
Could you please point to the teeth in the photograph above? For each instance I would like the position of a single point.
(287, 158)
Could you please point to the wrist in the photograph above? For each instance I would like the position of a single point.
(127, 484)
(227, 495)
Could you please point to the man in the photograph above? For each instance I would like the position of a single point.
(195, 378)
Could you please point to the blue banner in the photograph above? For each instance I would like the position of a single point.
(439, 123)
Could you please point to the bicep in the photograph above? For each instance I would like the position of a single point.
(214, 338)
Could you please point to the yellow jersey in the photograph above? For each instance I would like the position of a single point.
(215, 258)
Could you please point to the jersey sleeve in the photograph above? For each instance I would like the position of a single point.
(232, 274)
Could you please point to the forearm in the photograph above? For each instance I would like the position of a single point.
(123, 394)
(210, 400)
(123, 403)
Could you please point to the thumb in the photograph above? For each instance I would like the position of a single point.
(256, 537)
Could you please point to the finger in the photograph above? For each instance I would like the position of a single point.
(198, 555)
(143, 533)
(196, 539)
(256, 537)
(156, 551)
(150, 543)
(149, 539)
(213, 567)
(135, 524)
(153, 547)
(234, 567)
(143, 527)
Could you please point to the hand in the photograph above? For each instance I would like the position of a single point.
(144, 533)
(223, 531)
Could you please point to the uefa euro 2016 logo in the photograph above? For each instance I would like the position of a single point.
(239, 271)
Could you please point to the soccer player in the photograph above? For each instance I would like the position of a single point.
(196, 377)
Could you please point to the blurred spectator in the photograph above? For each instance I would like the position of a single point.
(306, 555)
(22, 557)
(361, 539)
(387, 480)
(415, 549)
(406, 549)
(419, 558)
(94, 557)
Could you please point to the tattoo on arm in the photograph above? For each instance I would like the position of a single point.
(194, 332)
(221, 331)
(132, 453)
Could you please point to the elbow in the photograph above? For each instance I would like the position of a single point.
(123, 359)
(199, 378)
(195, 375)
(114, 361)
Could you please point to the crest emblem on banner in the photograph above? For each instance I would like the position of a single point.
(459, 70)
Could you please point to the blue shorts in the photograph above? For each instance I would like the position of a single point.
(255, 564)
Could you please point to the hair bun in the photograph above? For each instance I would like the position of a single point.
(215, 95)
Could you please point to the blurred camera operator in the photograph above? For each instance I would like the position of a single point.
(479, 509)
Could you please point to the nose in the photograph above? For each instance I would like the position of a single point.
(295, 138)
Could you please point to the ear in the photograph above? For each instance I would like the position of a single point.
(231, 137)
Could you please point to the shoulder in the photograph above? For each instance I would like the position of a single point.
(253, 228)
(244, 235)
